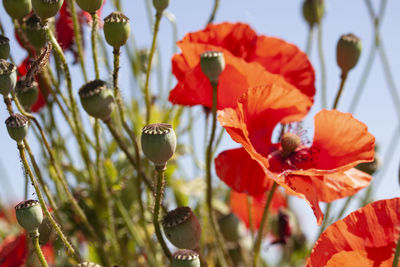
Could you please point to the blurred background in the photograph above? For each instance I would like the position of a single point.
(378, 106)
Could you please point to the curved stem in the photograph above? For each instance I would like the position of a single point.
(343, 78)
(94, 44)
(322, 66)
(148, 71)
(223, 255)
(158, 202)
(326, 219)
(257, 244)
(309, 40)
(38, 250)
(213, 12)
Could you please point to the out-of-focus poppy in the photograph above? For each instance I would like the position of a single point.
(366, 237)
(320, 172)
(236, 41)
(238, 204)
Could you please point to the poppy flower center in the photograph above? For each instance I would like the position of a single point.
(289, 143)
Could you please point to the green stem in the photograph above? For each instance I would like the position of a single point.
(396, 254)
(78, 37)
(322, 66)
(257, 244)
(38, 250)
(344, 208)
(343, 78)
(148, 71)
(70, 249)
(326, 219)
(213, 12)
(221, 251)
(94, 44)
(309, 40)
(158, 202)
(250, 214)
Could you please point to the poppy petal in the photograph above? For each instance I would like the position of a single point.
(241, 173)
(370, 232)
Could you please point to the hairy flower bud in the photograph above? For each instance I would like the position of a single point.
(90, 6)
(8, 77)
(212, 64)
(313, 11)
(27, 95)
(231, 227)
(116, 29)
(17, 9)
(17, 127)
(182, 228)
(29, 215)
(160, 5)
(348, 51)
(46, 8)
(4, 47)
(185, 258)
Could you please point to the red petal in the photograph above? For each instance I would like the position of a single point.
(13, 251)
(241, 173)
(370, 233)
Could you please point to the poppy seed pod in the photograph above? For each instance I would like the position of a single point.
(289, 143)
(4, 47)
(348, 51)
(8, 77)
(97, 99)
(231, 227)
(313, 11)
(17, 127)
(158, 143)
(88, 264)
(116, 29)
(36, 32)
(212, 64)
(182, 228)
(46, 8)
(29, 215)
(27, 95)
(185, 258)
(160, 5)
(90, 6)
(17, 9)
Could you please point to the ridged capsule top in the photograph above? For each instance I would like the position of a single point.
(26, 204)
(6, 67)
(50, 1)
(185, 255)
(116, 17)
(33, 22)
(16, 121)
(211, 54)
(88, 264)
(177, 216)
(92, 88)
(4, 40)
(157, 129)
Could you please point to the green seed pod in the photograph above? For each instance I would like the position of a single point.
(17, 127)
(116, 29)
(90, 6)
(348, 51)
(46, 8)
(182, 228)
(212, 64)
(27, 95)
(185, 258)
(370, 167)
(88, 264)
(17, 9)
(160, 5)
(29, 215)
(97, 99)
(8, 77)
(231, 227)
(313, 11)
(4, 47)
(158, 143)
(36, 32)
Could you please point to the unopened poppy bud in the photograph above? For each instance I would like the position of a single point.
(212, 63)
(29, 215)
(289, 143)
(46, 8)
(17, 9)
(182, 228)
(90, 6)
(370, 167)
(348, 51)
(4, 47)
(158, 143)
(231, 227)
(88, 264)
(97, 99)
(185, 258)
(160, 5)
(36, 32)
(116, 29)
(8, 77)
(17, 127)
(26, 94)
(282, 227)
(313, 11)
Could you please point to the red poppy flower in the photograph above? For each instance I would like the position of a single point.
(238, 204)
(320, 172)
(366, 237)
(264, 56)
(22, 71)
